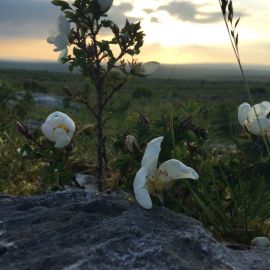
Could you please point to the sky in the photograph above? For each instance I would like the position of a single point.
(177, 32)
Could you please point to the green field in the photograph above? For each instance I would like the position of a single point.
(226, 199)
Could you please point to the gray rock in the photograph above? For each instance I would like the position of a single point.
(82, 230)
(45, 100)
(51, 101)
(261, 241)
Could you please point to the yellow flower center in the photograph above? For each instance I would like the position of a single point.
(63, 127)
(156, 184)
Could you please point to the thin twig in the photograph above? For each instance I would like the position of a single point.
(114, 90)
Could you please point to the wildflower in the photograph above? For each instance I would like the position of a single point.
(257, 125)
(150, 178)
(58, 128)
(130, 142)
(22, 128)
(104, 5)
(61, 37)
(143, 121)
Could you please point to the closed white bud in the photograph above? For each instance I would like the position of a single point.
(130, 141)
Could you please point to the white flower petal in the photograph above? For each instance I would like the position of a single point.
(59, 128)
(62, 55)
(63, 25)
(150, 157)
(262, 110)
(55, 119)
(140, 178)
(243, 111)
(260, 129)
(149, 67)
(62, 138)
(130, 141)
(105, 5)
(51, 39)
(174, 169)
(61, 41)
(140, 190)
(47, 130)
(69, 123)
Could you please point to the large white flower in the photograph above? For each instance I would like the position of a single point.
(60, 36)
(257, 125)
(58, 128)
(149, 174)
(104, 5)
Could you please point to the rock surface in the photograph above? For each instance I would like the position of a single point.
(80, 230)
(51, 101)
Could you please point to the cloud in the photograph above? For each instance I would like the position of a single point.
(26, 11)
(35, 18)
(187, 11)
(154, 20)
(118, 14)
(148, 10)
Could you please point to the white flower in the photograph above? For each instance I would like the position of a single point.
(169, 170)
(60, 37)
(104, 5)
(248, 119)
(58, 128)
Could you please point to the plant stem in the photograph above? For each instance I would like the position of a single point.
(172, 131)
(237, 55)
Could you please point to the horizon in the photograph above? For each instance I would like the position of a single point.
(200, 71)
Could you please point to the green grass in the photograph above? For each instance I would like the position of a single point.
(212, 105)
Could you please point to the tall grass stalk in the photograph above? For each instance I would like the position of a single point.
(234, 42)
(172, 131)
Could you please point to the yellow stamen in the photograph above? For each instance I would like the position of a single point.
(63, 127)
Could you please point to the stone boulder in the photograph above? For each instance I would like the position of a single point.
(81, 230)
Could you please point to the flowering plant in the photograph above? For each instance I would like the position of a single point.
(255, 118)
(58, 128)
(55, 158)
(149, 178)
(60, 37)
(100, 61)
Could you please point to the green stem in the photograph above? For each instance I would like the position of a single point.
(172, 131)
(237, 55)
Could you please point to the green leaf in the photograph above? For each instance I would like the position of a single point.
(63, 4)
(70, 15)
(237, 22)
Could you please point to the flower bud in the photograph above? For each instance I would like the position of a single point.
(131, 140)
(67, 91)
(143, 121)
(22, 128)
(185, 124)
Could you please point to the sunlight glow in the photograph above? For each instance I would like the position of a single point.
(169, 38)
